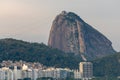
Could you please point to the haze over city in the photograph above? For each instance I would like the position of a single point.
(31, 20)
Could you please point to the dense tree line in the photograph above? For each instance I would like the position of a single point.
(107, 66)
(11, 49)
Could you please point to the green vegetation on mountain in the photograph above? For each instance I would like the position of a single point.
(108, 66)
(11, 49)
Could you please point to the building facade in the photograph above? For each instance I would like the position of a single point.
(86, 70)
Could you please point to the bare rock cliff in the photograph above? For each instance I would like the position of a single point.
(70, 33)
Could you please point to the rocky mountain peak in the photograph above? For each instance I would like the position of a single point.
(70, 33)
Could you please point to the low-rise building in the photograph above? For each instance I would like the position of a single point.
(77, 74)
(6, 74)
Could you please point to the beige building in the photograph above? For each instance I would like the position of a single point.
(86, 70)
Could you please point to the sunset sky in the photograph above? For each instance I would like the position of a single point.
(31, 20)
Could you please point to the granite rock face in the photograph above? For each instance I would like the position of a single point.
(70, 33)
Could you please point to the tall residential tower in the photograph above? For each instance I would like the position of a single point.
(86, 70)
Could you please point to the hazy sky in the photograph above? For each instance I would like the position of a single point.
(31, 20)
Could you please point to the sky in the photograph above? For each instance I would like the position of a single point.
(31, 20)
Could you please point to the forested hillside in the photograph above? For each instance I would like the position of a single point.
(11, 49)
(107, 66)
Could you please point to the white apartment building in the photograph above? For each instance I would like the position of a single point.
(56, 73)
(17, 73)
(6, 74)
(34, 74)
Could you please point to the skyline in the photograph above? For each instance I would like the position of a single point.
(31, 20)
